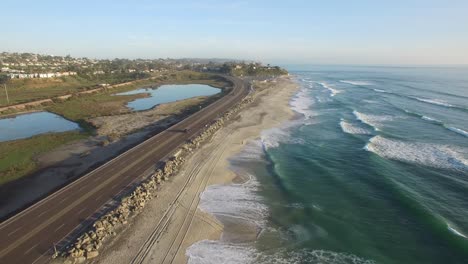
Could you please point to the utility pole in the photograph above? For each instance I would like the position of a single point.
(6, 92)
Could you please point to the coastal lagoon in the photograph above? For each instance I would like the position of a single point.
(167, 94)
(373, 170)
(31, 124)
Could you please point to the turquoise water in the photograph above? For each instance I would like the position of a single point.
(374, 170)
(28, 125)
(167, 94)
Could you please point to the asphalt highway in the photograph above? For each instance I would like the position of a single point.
(29, 236)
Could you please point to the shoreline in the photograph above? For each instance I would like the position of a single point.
(208, 166)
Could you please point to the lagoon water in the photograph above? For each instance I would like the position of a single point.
(31, 124)
(374, 170)
(167, 94)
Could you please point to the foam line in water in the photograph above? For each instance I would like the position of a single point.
(353, 129)
(458, 131)
(431, 155)
(236, 200)
(271, 138)
(333, 90)
(372, 120)
(427, 118)
(455, 231)
(438, 122)
(433, 101)
(302, 102)
(357, 83)
(380, 91)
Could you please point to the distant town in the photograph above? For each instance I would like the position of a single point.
(30, 65)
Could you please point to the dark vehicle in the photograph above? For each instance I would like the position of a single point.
(186, 130)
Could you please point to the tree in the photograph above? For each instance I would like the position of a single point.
(3, 80)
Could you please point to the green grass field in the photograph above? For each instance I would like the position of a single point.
(17, 157)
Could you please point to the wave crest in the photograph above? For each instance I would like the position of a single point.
(434, 101)
(352, 129)
(372, 120)
(301, 103)
(357, 83)
(432, 155)
(333, 90)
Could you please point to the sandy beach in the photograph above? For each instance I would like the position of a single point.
(172, 222)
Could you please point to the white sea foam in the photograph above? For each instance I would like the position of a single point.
(458, 131)
(357, 83)
(353, 129)
(433, 101)
(380, 91)
(301, 103)
(271, 138)
(433, 155)
(455, 231)
(236, 201)
(374, 121)
(208, 252)
(252, 151)
(333, 90)
(427, 118)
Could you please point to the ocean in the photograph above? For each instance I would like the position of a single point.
(374, 169)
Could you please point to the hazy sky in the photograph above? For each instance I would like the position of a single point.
(286, 31)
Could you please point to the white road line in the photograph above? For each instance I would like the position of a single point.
(36, 260)
(43, 212)
(14, 231)
(29, 250)
(62, 200)
(97, 198)
(80, 211)
(59, 227)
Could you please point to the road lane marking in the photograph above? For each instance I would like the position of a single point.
(30, 249)
(97, 198)
(80, 211)
(14, 231)
(43, 212)
(63, 200)
(57, 229)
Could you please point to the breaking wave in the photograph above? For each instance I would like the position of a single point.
(380, 91)
(455, 231)
(207, 252)
(271, 138)
(301, 103)
(353, 129)
(438, 122)
(433, 101)
(357, 83)
(238, 201)
(372, 120)
(432, 155)
(333, 90)
(458, 131)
